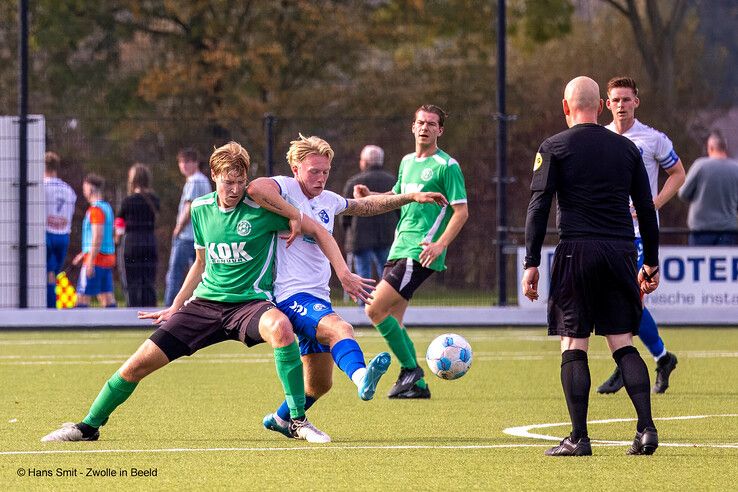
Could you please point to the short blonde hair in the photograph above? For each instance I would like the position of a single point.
(230, 158)
(303, 147)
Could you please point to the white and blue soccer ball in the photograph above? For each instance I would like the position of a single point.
(449, 356)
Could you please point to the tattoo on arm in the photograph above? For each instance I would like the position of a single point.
(375, 204)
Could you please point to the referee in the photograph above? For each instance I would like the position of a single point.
(593, 172)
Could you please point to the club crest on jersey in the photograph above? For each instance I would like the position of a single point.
(538, 162)
(243, 228)
(324, 217)
(426, 174)
(228, 252)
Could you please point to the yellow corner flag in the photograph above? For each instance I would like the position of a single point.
(66, 295)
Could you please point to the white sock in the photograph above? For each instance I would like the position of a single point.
(358, 376)
(663, 353)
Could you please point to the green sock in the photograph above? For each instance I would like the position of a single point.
(114, 392)
(289, 370)
(421, 382)
(398, 340)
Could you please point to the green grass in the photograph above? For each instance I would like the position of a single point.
(216, 399)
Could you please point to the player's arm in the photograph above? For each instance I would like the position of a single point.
(688, 189)
(354, 285)
(380, 203)
(193, 278)
(265, 192)
(433, 250)
(97, 234)
(675, 179)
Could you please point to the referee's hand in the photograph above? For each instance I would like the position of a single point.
(648, 278)
(530, 283)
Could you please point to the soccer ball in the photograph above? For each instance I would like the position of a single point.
(449, 356)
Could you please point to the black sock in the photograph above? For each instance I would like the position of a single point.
(637, 384)
(576, 383)
(87, 430)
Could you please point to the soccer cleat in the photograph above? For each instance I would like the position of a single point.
(406, 380)
(414, 393)
(271, 422)
(645, 442)
(374, 371)
(664, 367)
(570, 447)
(613, 383)
(302, 429)
(69, 432)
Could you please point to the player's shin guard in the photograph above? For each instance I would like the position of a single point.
(635, 378)
(397, 340)
(289, 370)
(649, 334)
(348, 356)
(114, 392)
(576, 382)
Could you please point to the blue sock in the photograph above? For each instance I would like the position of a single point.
(348, 356)
(649, 334)
(51, 296)
(284, 410)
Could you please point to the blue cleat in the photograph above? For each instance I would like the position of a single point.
(271, 423)
(374, 371)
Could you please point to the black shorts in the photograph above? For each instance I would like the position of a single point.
(405, 275)
(201, 323)
(594, 288)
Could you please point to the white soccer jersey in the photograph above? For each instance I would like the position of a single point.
(656, 150)
(60, 201)
(303, 267)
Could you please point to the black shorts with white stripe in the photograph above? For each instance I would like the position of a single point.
(405, 275)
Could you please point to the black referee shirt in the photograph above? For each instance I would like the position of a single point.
(593, 172)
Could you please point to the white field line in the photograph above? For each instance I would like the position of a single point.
(525, 431)
(266, 449)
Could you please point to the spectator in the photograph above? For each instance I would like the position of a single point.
(60, 201)
(368, 239)
(711, 189)
(135, 223)
(98, 247)
(182, 254)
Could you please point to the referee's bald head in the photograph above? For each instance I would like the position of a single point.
(582, 93)
(582, 101)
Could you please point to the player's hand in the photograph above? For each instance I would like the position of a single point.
(430, 197)
(358, 288)
(78, 258)
(295, 230)
(648, 278)
(89, 269)
(430, 252)
(157, 317)
(360, 191)
(530, 283)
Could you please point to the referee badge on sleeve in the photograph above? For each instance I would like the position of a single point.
(540, 172)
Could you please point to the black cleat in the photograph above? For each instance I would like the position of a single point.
(613, 383)
(414, 393)
(570, 447)
(406, 380)
(645, 442)
(664, 367)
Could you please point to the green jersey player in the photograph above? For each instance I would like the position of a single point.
(422, 237)
(228, 294)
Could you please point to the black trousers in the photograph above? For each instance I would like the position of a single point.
(140, 260)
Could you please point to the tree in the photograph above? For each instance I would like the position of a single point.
(656, 39)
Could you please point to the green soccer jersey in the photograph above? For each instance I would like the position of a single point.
(239, 249)
(426, 221)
